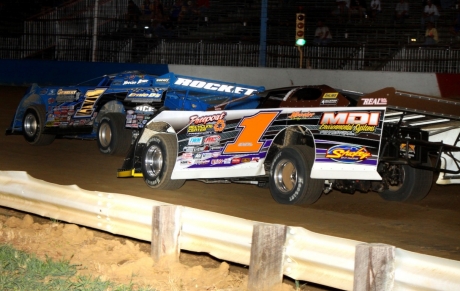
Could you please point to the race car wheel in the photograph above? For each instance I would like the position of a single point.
(158, 160)
(290, 181)
(407, 184)
(33, 124)
(112, 136)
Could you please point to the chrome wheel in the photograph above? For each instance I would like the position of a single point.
(105, 135)
(30, 125)
(153, 160)
(285, 176)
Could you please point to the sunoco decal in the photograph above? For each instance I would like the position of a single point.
(349, 123)
(348, 153)
(207, 124)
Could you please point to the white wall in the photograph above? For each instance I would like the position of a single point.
(362, 81)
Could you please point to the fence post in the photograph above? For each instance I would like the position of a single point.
(267, 257)
(374, 267)
(165, 233)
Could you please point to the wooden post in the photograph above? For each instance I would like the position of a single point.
(165, 233)
(267, 257)
(374, 267)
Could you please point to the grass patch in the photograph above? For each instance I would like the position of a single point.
(21, 271)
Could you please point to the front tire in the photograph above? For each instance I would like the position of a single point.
(407, 184)
(290, 181)
(157, 162)
(33, 125)
(112, 136)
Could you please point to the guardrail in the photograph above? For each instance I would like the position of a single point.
(299, 253)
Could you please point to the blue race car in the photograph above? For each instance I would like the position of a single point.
(114, 108)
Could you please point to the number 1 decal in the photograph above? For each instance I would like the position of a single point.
(253, 127)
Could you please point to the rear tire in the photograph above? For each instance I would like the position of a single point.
(414, 184)
(158, 161)
(290, 181)
(112, 136)
(33, 125)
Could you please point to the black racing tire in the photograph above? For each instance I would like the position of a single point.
(290, 181)
(158, 160)
(33, 125)
(415, 185)
(113, 138)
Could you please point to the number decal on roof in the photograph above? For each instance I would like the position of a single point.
(253, 127)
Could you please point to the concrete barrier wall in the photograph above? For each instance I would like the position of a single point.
(26, 72)
(45, 73)
(362, 81)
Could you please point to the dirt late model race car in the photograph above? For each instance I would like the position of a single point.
(113, 108)
(304, 141)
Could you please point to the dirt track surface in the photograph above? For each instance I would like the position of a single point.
(430, 227)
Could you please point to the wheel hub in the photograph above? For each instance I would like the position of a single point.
(154, 161)
(285, 176)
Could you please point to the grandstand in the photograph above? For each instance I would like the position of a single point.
(228, 33)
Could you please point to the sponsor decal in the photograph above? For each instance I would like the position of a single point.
(374, 101)
(301, 115)
(245, 160)
(215, 154)
(214, 86)
(348, 153)
(236, 161)
(52, 92)
(187, 162)
(197, 140)
(213, 139)
(198, 156)
(202, 162)
(67, 95)
(330, 95)
(407, 149)
(207, 124)
(164, 80)
(43, 91)
(217, 161)
(255, 159)
(329, 102)
(195, 149)
(187, 156)
(144, 108)
(349, 123)
(144, 95)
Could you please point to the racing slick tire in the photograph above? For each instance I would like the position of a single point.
(413, 186)
(112, 136)
(33, 124)
(290, 181)
(158, 160)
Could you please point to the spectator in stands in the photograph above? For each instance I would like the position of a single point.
(430, 13)
(342, 9)
(375, 9)
(322, 34)
(357, 7)
(175, 11)
(157, 11)
(203, 6)
(146, 9)
(133, 14)
(455, 29)
(446, 4)
(401, 11)
(431, 34)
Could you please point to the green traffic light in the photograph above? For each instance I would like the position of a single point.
(300, 42)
